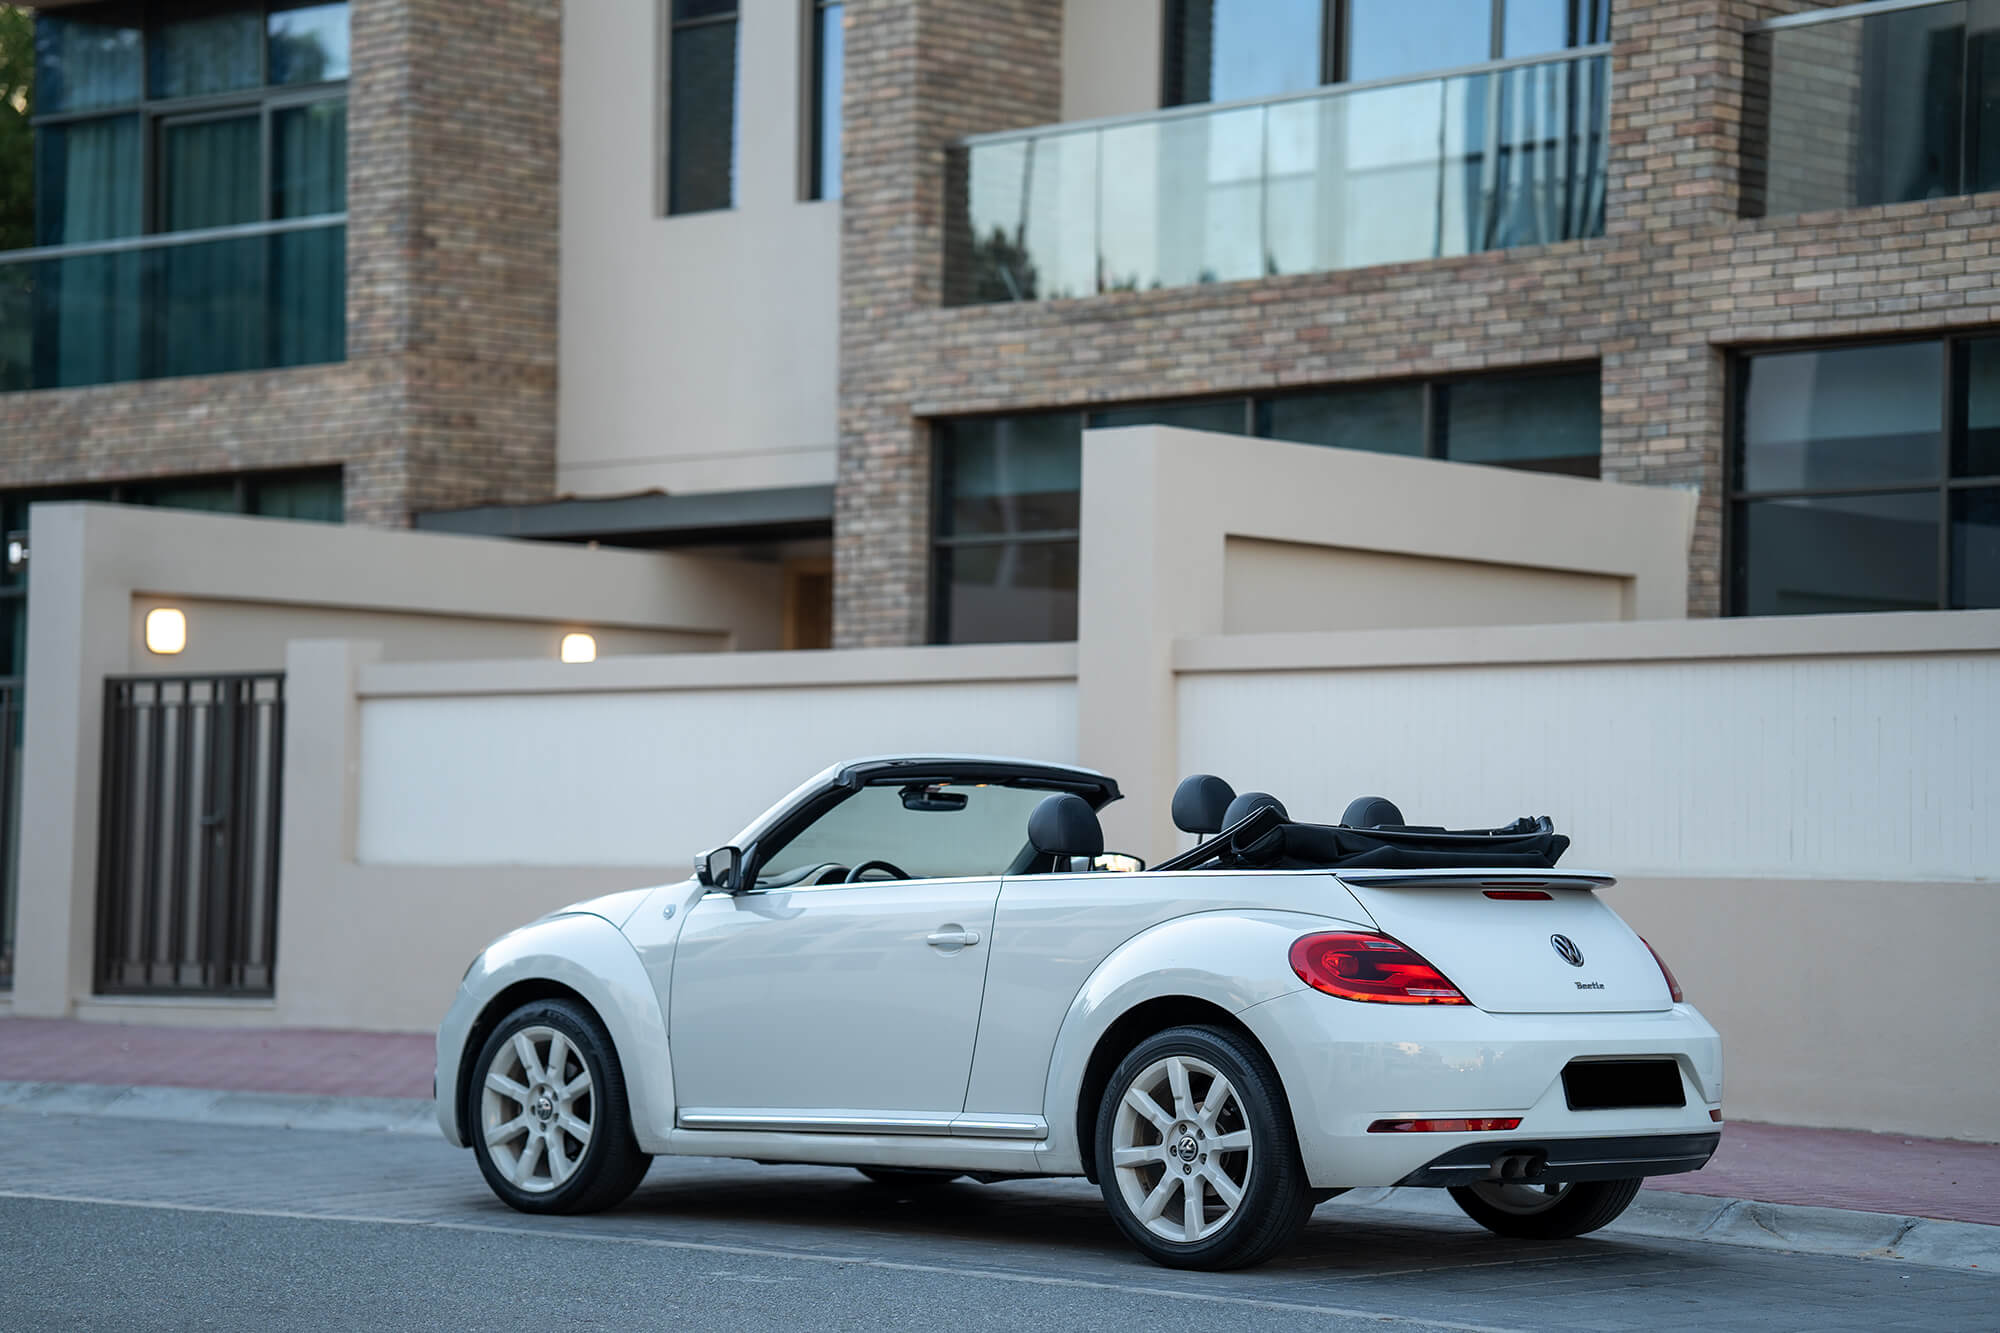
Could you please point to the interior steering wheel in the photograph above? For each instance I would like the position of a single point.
(895, 871)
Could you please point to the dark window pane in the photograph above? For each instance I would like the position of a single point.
(1009, 474)
(1534, 27)
(1540, 423)
(701, 150)
(209, 308)
(830, 43)
(1387, 420)
(1866, 111)
(13, 644)
(1837, 553)
(213, 495)
(88, 319)
(1975, 548)
(209, 53)
(86, 62)
(1977, 450)
(210, 175)
(1851, 416)
(1016, 592)
(1225, 50)
(308, 302)
(1226, 415)
(87, 181)
(701, 9)
(315, 498)
(1387, 39)
(309, 159)
(1982, 92)
(309, 44)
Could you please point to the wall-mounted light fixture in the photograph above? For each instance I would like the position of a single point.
(579, 648)
(17, 552)
(166, 631)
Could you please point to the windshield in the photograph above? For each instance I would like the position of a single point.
(878, 824)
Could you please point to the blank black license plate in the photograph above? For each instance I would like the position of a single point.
(1611, 1085)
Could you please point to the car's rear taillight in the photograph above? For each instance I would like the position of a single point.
(1673, 986)
(1356, 966)
(1488, 1125)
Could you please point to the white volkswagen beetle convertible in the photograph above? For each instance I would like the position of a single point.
(925, 967)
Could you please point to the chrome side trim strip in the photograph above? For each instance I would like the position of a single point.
(752, 1119)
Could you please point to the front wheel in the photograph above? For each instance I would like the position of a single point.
(547, 1113)
(1196, 1154)
(1545, 1212)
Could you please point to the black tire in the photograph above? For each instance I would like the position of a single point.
(611, 1165)
(908, 1178)
(1583, 1207)
(1276, 1199)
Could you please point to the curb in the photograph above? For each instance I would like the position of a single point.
(1966, 1246)
(270, 1110)
(1799, 1228)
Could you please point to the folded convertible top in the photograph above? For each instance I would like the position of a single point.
(1266, 840)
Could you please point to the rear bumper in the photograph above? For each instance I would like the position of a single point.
(1553, 1160)
(1346, 1065)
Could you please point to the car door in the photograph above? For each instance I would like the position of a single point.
(831, 1006)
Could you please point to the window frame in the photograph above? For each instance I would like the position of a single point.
(669, 26)
(812, 103)
(154, 114)
(1433, 426)
(1336, 20)
(1951, 425)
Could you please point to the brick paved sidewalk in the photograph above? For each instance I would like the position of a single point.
(1827, 1168)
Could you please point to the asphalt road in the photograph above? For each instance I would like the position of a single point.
(110, 1223)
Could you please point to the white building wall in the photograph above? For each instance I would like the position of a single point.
(697, 352)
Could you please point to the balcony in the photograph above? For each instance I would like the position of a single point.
(250, 297)
(1506, 154)
(1879, 103)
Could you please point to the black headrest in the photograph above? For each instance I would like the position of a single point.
(1372, 812)
(1249, 803)
(1065, 825)
(1201, 803)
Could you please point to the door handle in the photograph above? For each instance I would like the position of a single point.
(952, 938)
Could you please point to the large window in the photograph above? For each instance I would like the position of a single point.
(1873, 108)
(829, 58)
(1867, 478)
(1228, 50)
(1007, 503)
(701, 106)
(222, 132)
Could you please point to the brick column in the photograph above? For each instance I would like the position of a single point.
(919, 75)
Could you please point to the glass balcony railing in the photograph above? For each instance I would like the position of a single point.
(188, 303)
(1500, 155)
(1872, 104)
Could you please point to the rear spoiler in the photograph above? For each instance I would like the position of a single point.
(1477, 879)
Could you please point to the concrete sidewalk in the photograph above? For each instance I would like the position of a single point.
(1816, 1168)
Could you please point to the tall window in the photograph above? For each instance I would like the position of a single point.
(829, 50)
(1007, 507)
(1867, 478)
(152, 120)
(701, 106)
(1225, 50)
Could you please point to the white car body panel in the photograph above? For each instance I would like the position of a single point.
(823, 1024)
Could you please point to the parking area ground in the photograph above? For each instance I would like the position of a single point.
(105, 1219)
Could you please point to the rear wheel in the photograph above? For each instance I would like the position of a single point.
(547, 1114)
(1195, 1152)
(1545, 1212)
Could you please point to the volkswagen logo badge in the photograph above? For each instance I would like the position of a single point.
(1566, 946)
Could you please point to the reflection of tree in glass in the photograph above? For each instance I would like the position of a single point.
(1001, 269)
(298, 57)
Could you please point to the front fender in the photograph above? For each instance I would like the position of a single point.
(1231, 959)
(587, 954)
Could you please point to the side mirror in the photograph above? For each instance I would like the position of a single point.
(1118, 863)
(717, 869)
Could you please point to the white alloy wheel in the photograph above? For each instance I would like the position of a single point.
(1182, 1148)
(1520, 1200)
(537, 1110)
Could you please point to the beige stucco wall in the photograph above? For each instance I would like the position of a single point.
(1271, 587)
(1111, 57)
(696, 352)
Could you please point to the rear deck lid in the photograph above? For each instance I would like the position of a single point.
(1517, 942)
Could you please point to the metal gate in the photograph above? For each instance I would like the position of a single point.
(10, 822)
(188, 822)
